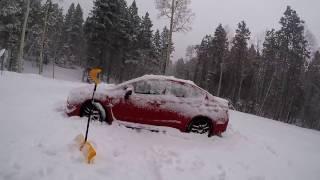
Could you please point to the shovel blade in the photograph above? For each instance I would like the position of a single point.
(89, 152)
(86, 148)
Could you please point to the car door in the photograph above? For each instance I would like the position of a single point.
(172, 106)
(142, 105)
(182, 102)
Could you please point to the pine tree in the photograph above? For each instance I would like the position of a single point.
(203, 54)
(240, 56)
(293, 54)
(106, 31)
(35, 24)
(68, 21)
(145, 36)
(11, 15)
(51, 33)
(218, 53)
(68, 58)
(157, 50)
(126, 37)
(180, 69)
(135, 21)
(98, 29)
(55, 29)
(268, 91)
(132, 54)
(311, 110)
(145, 44)
(77, 35)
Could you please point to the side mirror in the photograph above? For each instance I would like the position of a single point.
(128, 93)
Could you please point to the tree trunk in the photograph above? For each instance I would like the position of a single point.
(53, 64)
(169, 39)
(23, 33)
(240, 87)
(195, 76)
(266, 96)
(110, 63)
(122, 67)
(220, 79)
(43, 40)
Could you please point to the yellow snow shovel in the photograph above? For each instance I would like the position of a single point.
(86, 147)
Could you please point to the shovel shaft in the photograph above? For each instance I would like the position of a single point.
(89, 117)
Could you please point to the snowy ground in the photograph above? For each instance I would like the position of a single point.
(59, 72)
(37, 143)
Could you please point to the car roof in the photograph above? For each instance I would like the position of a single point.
(159, 77)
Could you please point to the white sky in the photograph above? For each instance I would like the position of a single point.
(259, 15)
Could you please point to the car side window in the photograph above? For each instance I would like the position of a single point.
(142, 87)
(177, 89)
(184, 90)
(195, 92)
(154, 87)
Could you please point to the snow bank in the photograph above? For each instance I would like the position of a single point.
(37, 143)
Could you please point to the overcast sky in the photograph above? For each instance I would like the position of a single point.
(259, 15)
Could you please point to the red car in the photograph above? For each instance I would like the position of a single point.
(154, 100)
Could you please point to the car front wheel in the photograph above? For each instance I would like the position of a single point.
(97, 111)
(200, 126)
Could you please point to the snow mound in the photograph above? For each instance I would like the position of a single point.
(37, 143)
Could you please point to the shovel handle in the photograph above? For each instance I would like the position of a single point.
(89, 117)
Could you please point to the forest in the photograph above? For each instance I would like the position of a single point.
(279, 80)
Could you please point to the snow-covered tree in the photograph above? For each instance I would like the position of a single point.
(11, 16)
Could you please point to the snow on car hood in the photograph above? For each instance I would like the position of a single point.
(223, 103)
(78, 95)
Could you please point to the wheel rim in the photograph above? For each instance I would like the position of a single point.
(200, 126)
(95, 113)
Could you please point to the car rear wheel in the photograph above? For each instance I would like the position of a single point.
(200, 126)
(97, 111)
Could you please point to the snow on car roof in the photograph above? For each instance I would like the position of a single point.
(172, 78)
(158, 77)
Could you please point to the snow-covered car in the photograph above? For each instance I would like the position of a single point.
(154, 100)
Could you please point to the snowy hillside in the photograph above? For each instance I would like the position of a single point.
(59, 72)
(37, 143)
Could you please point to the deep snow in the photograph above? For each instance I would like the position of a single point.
(37, 143)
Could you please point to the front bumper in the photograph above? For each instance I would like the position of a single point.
(72, 110)
(220, 127)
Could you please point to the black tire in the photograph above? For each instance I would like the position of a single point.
(200, 126)
(96, 114)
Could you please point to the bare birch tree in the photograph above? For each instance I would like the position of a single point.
(23, 33)
(180, 16)
(43, 38)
